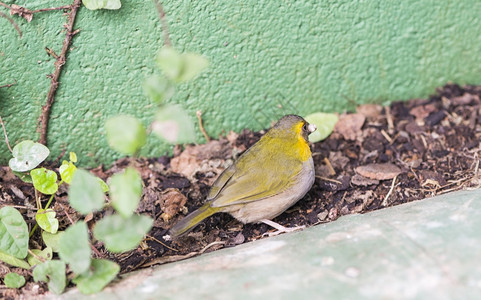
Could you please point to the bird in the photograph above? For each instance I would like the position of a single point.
(266, 179)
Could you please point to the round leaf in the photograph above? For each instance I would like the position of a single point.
(13, 232)
(101, 272)
(173, 125)
(125, 191)
(325, 125)
(105, 187)
(45, 254)
(27, 155)
(170, 62)
(194, 64)
(180, 67)
(66, 170)
(102, 4)
(46, 220)
(120, 234)
(158, 89)
(13, 261)
(75, 248)
(14, 281)
(45, 181)
(125, 134)
(85, 192)
(53, 272)
(52, 240)
(73, 157)
(25, 177)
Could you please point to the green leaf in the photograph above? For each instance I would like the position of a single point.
(25, 177)
(325, 125)
(99, 275)
(73, 157)
(125, 134)
(45, 253)
(14, 281)
(66, 170)
(158, 89)
(105, 187)
(27, 155)
(180, 67)
(52, 272)
(174, 125)
(52, 240)
(102, 4)
(75, 248)
(45, 181)
(120, 234)
(13, 232)
(46, 220)
(13, 261)
(125, 191)
(85, 192)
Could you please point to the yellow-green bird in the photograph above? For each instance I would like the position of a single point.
(267, 179)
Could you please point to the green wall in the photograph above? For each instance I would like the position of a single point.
(304, 55)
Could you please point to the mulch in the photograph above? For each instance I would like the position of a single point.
(375, 158)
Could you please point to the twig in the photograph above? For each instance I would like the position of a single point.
(384, 202)
(36, 256)
(332, 172)
(199, 117)
(51, 52)
(386, 136)
(167, 259)
(52, 8)
(66, 213)
(160, 242)
(5, 133)
(44, 118)
(163, 20)
(8, 85)
(328, 179)
(11, 22)
(390, 123)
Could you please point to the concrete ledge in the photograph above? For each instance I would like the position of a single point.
(427, 249)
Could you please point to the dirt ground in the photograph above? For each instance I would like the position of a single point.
(375, 158)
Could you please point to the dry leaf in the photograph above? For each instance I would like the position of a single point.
(379, 171)
(349, 125)
(171, 202)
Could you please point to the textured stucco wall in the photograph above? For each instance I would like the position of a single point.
(304, 55)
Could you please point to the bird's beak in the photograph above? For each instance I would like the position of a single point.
(311, 128)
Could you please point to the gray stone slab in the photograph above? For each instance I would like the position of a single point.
(428, 249)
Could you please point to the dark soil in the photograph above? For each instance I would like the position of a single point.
(377, 157)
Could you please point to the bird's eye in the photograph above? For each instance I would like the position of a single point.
(304, 127)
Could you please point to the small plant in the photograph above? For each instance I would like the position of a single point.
(171, 123)
(69, 251)
(119, 232)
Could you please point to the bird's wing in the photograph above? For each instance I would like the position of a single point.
(248, 180)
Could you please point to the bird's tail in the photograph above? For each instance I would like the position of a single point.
(194, 218)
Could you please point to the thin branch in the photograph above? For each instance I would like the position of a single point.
(11, 22)
(6, 136)
(26, 13)
(158, 241)
(8, 85)
(52, 8)
(201, 126)
(44, 118)
(163, 20)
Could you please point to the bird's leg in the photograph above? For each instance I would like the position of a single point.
(280, 228)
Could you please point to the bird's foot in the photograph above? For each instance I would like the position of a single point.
(280, 228)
